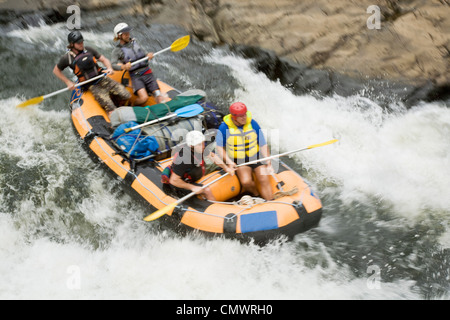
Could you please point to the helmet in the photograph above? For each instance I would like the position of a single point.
(238, 109)
(121, 28)
(194, 138)
(75, 36)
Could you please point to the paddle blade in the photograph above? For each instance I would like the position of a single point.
(31, 102)
(158, 214)
(322, 144)
(189, 111)
(180, 44)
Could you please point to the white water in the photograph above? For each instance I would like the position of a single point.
(401, 157)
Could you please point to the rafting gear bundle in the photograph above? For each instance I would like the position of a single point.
(133, 143)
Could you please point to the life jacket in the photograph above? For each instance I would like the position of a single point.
(133, 53)
(241, 143)
(84, 65)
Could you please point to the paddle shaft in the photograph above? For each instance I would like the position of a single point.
(273, 157)
(150, 122)
(185, 112)
(76, 85)
(99, 76)
(239, 165)
(260, 160)
(179, 44)
(103, 74)
(157, 214)
(155, 54)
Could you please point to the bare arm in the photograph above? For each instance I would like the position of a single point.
(106, 63)
(265, 153)
(58, 73)
(218, 160)
(176, 181)
(222, 154)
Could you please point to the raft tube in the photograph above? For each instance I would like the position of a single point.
(297, 210)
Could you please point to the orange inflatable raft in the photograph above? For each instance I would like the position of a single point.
(296, 208)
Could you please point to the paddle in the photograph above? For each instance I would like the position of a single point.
(289, 152)
(159, 213)
(185, 112)
(37, 100)
(177, 45)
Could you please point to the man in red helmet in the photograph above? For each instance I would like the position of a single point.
(240, 140)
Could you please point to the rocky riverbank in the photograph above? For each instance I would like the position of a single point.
(330, 46)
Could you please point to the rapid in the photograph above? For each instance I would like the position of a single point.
(69, 231)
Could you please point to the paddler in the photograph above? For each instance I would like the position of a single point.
(240, 140)
(188, 166)
(83, 62)
(127, 51)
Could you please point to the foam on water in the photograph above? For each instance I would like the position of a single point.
(54, 37)
(44, 257)
(159, 267)
(68, 231)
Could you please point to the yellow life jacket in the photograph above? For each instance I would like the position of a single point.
(241, 143)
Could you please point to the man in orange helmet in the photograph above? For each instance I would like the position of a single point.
(240, 140)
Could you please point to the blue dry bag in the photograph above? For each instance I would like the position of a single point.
(134, 143)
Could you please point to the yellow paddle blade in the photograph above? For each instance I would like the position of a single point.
(30, 102)
(180, 44)
(322, 144)
(158, 214)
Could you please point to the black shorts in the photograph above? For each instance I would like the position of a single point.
(253, 165)
(145, 81)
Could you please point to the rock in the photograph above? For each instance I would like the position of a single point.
(60, 6)
(411, 48)
(316, 44)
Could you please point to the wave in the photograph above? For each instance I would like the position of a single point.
(69, 231)
(395, 154)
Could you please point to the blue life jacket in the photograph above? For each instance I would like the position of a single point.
(134, 53)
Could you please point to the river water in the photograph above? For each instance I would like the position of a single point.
(69, 231)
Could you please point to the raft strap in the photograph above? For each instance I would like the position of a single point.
(281, 193)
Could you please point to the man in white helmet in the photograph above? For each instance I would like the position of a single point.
(189, 166)
(127, 51)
